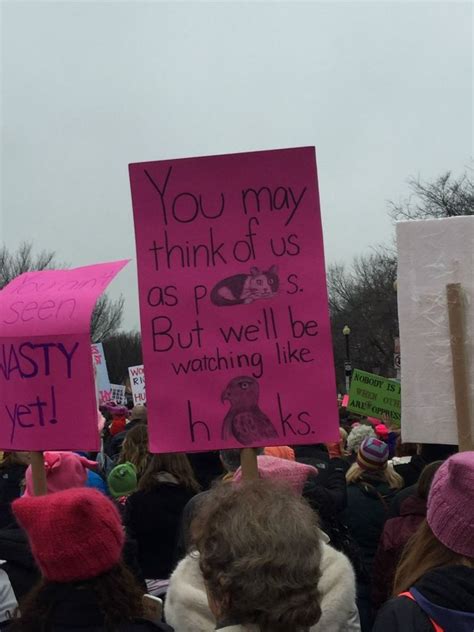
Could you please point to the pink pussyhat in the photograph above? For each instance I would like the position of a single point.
(64, 470)
(451, 504)
(289, 473)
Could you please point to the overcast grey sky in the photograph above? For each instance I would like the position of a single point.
(383, 89)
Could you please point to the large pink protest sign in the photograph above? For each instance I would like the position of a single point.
(233, 301)
(47, 390)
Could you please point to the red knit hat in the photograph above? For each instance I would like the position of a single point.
(74, 535)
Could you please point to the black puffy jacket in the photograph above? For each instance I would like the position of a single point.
(78, 611)
(11, 478)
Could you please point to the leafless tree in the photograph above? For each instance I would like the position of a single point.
(106, 318)
(447, 196)
(107, 315)
(22, 260)
(364, 297)
(122, 350)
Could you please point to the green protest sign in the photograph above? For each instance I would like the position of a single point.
(374, 396)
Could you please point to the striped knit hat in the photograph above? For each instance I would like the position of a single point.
(372, 455)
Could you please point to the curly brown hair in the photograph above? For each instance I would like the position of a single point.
(260, 554)
(119, 597)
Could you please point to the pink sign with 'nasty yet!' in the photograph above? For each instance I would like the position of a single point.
(47, 389)
(233, 301)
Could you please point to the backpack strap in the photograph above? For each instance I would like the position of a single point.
(433, 623)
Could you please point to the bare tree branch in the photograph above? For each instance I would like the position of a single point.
(447, 196)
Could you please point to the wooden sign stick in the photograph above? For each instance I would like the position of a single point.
(40, 487)
(460, 377)
(249, 464)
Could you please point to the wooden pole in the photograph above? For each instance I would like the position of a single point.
(40, 487)
(249, 464)
(460, 375)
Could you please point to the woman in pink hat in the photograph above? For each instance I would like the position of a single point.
(77, 540)
(434, 582)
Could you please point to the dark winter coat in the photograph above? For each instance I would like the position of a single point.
(153, 519)
(207, 467)
(19, 563)
(446, 595)
(11, 478)
(78, 610)
(327, 492)
(410, 472)
(367, 507)
(396, 533)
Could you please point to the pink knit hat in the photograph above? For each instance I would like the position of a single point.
(451, 504)
(372, 455)
(382, 431)
(291, 473)
(63, 471)
(74, 534)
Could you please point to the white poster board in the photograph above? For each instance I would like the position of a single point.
(118, 394)
(102, 375)
(137, 384)
(432, 254)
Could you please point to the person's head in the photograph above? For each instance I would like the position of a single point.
(259, 553)
(291, 474)
(64, 470)
(280, 451)
(122, 480)
(135, 449)
(139, 414)
(357, 436)
(426, 478)
(372, 461)
(76, 538)
(230, 459)
(446, 537)
(176, 465)
(382, 431)
(11, 459)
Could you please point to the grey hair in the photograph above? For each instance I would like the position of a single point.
(357, 435)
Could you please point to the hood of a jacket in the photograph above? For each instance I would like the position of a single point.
(413, 506)
(447, 597)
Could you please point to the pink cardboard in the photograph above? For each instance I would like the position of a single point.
(233, 301)
(47, 389)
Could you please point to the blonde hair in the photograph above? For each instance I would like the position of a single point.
(388, 475)
(423, 553)
(135, 449)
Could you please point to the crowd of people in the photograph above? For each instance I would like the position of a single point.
(363, 535)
